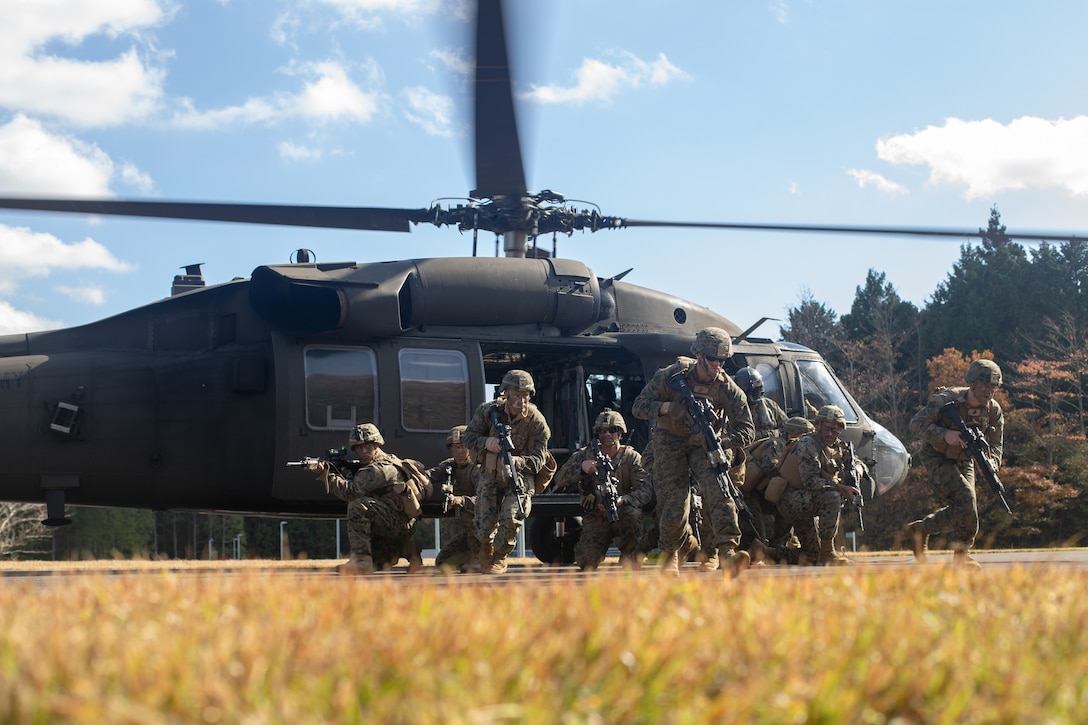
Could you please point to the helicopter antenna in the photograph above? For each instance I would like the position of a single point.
(744, 335)
(303, 256)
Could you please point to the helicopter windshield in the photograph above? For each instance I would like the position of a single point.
(820, 388)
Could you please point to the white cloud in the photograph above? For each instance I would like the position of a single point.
(598, 80)
(88, 294)
(85, 93)
(987, 157)
(865, 178)
(454, 60)
(366, 14)
(780, 10)
(13, 321)
(432, 111)
(329, 95)
(36, 162)
(26, 254)
(295, 152)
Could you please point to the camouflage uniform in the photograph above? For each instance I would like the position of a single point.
(950, 468)
(462, 544)
(378, 524)
(768, 417)
(678, 452)
(497, 517)
(819, 468)
(597, 530)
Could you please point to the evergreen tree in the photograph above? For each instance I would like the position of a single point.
(815, 325)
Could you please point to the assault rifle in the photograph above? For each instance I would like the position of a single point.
(447, 488)
(978, 447)
(850, 468)
(695, 518)
(606, 482)
(507, 453)
(338, 461)
(703, 419)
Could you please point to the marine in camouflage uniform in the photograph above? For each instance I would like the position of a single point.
(498, 517)
(767, 415)
(632, 490)
(948, 464)
(678, 452)
(381, 512)
(764, 459)
(461, 475)
(813, 500)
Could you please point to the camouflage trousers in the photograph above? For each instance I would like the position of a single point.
(953, 484)
(598, 532)
(377, 529)
(800, 507)
(497, 517)
(675, 459)
(463, 544)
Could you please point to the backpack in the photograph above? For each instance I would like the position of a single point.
(418, 486)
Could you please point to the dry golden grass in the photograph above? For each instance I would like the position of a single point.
(868, 645)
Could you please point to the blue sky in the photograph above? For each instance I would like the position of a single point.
(844, 112)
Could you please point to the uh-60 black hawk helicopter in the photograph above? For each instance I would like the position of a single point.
(197, 401)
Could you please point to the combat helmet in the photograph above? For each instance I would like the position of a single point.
(609, 418)
(985, 371)
(456, 435)
(750, 381)
(712, 341)
(365, 433)
(797, 424)
(518, 380)
(832, 413)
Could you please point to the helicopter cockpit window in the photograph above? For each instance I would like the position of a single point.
(772, 386)
(820, 388)
(341, 387)
(433, 389)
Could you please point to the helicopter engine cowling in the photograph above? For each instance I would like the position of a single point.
(389, 298)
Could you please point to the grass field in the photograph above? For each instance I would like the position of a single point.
(863, 645)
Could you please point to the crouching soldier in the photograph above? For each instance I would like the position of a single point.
(457, 477)
(813, 497)
(383, 498)
(630, 490)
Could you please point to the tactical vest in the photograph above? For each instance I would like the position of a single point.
(973, 417)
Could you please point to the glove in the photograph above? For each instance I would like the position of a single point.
(589, 502)
(457, 501)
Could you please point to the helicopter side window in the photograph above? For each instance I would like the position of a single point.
(341, 387)
(820, 388)
(772, 385)
(433, 389)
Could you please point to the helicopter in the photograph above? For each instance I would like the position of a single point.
(197, 401)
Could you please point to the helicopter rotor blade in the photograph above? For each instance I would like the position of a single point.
(500, 171)
(937, 232)
(329, 217)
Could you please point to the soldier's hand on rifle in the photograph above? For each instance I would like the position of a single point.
(589, 502)
(954, 438)
(620, 501)
(318, 466)
(494, 445)
(457, 501)
(589, 467)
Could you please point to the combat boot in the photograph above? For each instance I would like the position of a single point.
(961, 558)
(414, 553)
(498, 566)
(919, 540)
(734, 562)
(807, 558)
(709, 561)
(670, 563)
(690, 544)
(357, 564)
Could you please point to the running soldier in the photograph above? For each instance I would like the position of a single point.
(500, 511)
(679, 453)
(949, 466)
(632, 493)
(383, 497)
(457, 477)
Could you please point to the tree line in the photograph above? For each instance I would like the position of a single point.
(1024, 308)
